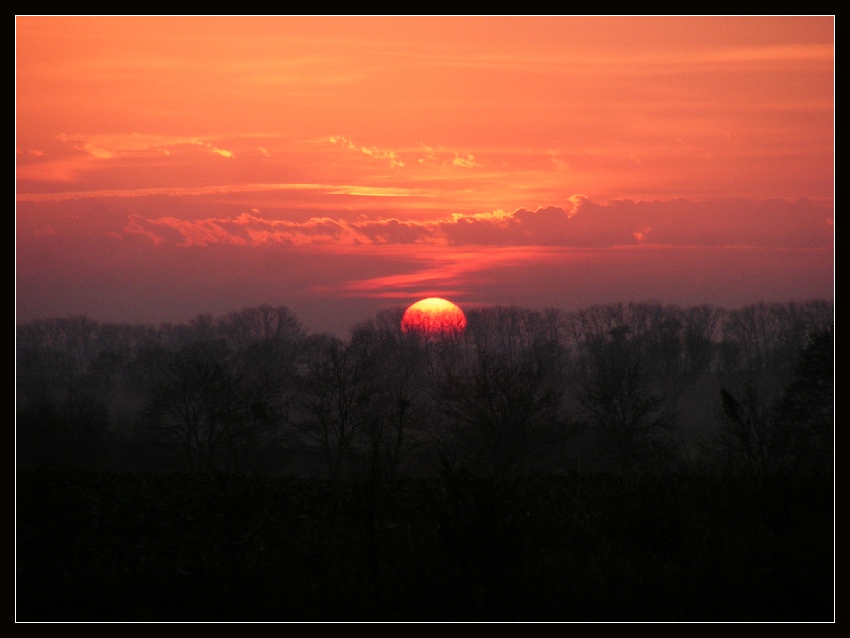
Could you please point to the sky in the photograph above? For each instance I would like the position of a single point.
(173, 166)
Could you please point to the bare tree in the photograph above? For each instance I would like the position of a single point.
(198, 404)
(62, 418)
(751, 437)
(500, 390)
(808, 404)
(619, 404)
(701, 326)
(760, 432)
(770, 337)
(394, 422)
(335, 388)
(261, 325)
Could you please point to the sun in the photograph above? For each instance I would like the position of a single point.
(434, 317)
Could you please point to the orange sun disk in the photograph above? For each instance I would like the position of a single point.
(434, 317)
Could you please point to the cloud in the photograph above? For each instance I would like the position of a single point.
(371, 151)
(248, 229)
(378, 191)
(642, 234)
(580, 224)
(65, 171)
(719, 222)
(773, 53)
(382, 154)
(464, 162)
(548, 226)
(97, 151)
(213, 149)
(436, 157)
(438, 271)
(244, 230)
(191, 191)
(129, 145)
(78, 155)
(444, 157)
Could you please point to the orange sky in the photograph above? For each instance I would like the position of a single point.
(172, 166)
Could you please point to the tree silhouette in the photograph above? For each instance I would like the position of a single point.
(808, 404)
(397, 409)
(761, 432)
(62, 418)
(617, 401)
(495, 396)
(260, 326)
(500, 391)
(335, 389)
(751, 437)
(198, 404)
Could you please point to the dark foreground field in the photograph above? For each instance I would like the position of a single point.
(113, 546)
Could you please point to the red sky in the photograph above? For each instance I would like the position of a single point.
(172, 166)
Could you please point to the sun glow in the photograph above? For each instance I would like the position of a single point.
(434, 317)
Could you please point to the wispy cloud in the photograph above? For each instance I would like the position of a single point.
(188, 191)
(465, 162)
(371, 151)
(437, 270)
(650, 61)
(423, 154)
(777, 52)
(78, 155)
(97, 151)
(130, 144)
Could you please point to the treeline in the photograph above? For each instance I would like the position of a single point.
(625, 387)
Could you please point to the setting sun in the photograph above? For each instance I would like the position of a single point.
(434, 316)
